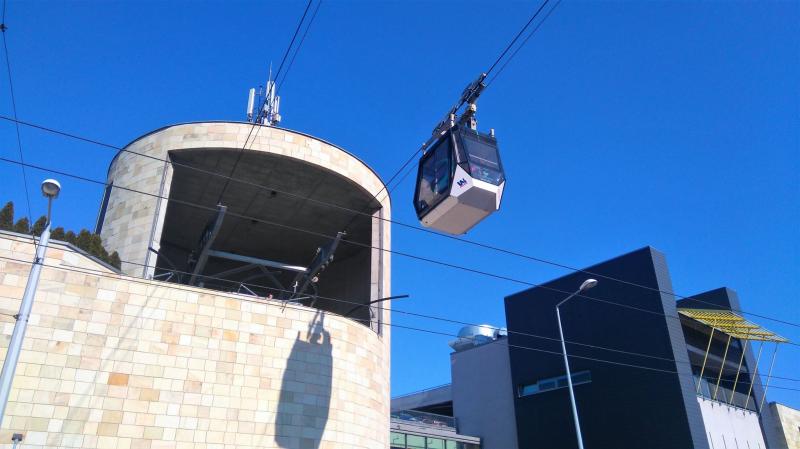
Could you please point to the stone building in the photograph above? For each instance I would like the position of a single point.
(244, 314)
(786, 429)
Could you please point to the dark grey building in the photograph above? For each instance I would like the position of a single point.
(649, 371)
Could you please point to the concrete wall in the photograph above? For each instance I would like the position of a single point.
(133, 220)
(123, 363)
(785, 433)
(483, 395)
(730, 427)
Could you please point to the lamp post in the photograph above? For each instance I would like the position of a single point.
(586, 285)
(50, 189)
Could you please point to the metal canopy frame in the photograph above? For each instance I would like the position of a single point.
(735, 326)
(732, 324)
(305, 279)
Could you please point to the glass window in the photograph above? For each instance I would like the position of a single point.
(435, 443)
(434, 175)
(554, 383)
(103, 207)
(415, 442)
(549, 384)
(450, 444)
(581, 377)
(529, 389)
(483, 157)
(397, 440)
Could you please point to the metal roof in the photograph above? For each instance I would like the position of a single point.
(732, 324)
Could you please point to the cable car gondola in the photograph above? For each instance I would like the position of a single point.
(460, 178)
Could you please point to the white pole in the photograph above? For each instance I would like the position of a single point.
(769, 377)
(15, 346)
(569, 376)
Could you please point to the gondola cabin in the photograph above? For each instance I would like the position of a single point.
(460, 181)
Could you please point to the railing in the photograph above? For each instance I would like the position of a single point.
(426, 419)
(424, 390)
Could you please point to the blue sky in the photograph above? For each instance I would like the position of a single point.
(621, 124)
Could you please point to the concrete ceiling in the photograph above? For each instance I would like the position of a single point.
(184, 223)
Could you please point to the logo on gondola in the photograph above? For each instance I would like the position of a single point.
(461, 182)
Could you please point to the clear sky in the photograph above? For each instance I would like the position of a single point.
(621, 124)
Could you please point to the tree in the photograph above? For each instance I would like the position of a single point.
(7, 217)
(39, 225)
(96, 248)
(84, 240)
(114, 260)
(58, 234)
(23, 226)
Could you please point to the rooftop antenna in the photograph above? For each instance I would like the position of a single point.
(269, 104)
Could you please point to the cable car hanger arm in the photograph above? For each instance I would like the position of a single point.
(470, 96)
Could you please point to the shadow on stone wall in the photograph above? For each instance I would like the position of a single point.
(305, 395)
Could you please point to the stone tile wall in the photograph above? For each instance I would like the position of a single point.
(787, 429)
(116, 362)
(131, 217)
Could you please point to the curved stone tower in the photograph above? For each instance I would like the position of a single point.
(291, 221)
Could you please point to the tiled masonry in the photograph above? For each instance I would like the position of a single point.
(116, 362)
(131, 216)
(787, 429)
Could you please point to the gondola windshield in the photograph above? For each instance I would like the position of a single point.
(435, 174)
(483, 158)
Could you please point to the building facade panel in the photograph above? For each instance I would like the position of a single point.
(727, 426)
(784, 431)
(483, 396)
(116, 362)
(648, 404)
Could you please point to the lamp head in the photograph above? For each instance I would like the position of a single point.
(51, 188)
(587, 284)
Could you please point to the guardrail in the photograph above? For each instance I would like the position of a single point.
(425, 419)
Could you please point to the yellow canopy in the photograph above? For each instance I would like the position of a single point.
(732, 324)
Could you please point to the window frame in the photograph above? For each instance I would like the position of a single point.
(431, 154)
(465, 137)
(553, 383)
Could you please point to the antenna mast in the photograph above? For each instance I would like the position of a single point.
(269, 104)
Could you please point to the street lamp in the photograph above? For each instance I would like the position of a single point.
(586, 285)
(50, 189)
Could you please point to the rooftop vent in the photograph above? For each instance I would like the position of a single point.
(472, 336)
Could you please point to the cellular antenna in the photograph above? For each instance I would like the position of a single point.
(268, 104)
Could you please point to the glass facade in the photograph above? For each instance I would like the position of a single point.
(554, 383)
(400, 440)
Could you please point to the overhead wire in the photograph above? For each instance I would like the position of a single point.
(525, 41)
(488, 72)
(284, 304)
(17, 122)
(299, 46)
(344, 240)
(3, 29)
(454, 108)
(511, 44)
(455, 238)
(23, 165)
(256, 125)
